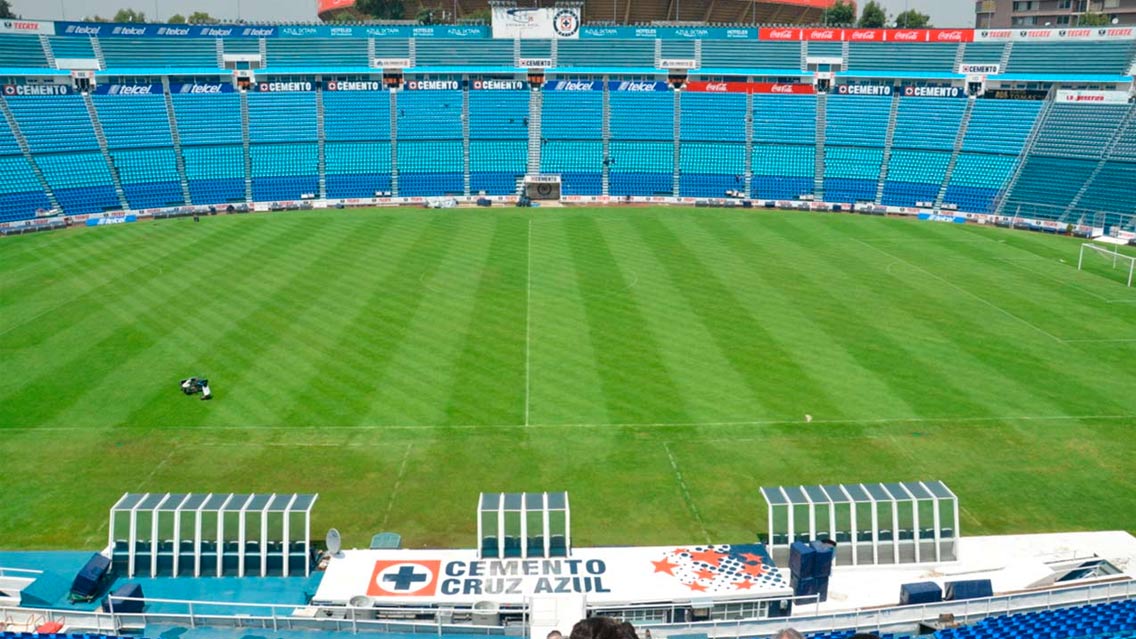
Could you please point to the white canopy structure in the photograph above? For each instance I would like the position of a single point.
(904, 522)
(523, 525)
(213, 532)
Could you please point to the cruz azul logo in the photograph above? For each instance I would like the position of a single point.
(404, 578)
(566, 23)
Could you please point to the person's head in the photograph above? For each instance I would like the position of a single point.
(789, 633)
(865, 635)
(555, 634)
(603, 628)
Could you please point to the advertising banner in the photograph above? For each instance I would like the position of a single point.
(536, 63)
(433, 85)
(544, 24)
(341, 85)
(128, 89)
(391, 63)
(133, 30)
(678, 64)
(1015, 94)
(865, 89)
(112, 219)
(980, 69)
(1092, 97)
(27, 26)
(574, 85)
(637, 85)
(199, 88)
(933, 92)
(499, 85)
(826, 34)
(36, 89)
(1046, 35)
(276, 87)
(751, 87)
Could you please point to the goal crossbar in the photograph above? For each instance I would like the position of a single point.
(1118, 259)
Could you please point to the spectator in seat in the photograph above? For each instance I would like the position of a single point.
(603, 628)
(788, 633)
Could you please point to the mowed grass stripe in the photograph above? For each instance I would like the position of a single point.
(637, 385)
(132, 320)
(768, 367)
(687, 344)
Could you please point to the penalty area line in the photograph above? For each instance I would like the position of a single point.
(397, 485)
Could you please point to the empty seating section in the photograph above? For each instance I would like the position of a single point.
(541, 49)
(8, 144)
(392, 48)
(81, 181)
(134, 120)
(437, 53)
(1058, 623)
(983, 52)
(21, 51)
(921, 123)
(605, 53)
(720, 54)
(1047, 185)
(498, 146)
(209, 127)
(146, 53)
(712, 151)
(784, 146)
(241, 45)
(677, 49)
(283, 149)
(855, 135)
(430, 156)
(316, 53)
(1109, 58)
(572, 140)
(641, 152)
(20, 191)
(216, 174)
(1081, 131)
(995, 135)
(70, 48)
(357, 150)
(53, 124)
(149, 177)
(1113, 190)
(878, 56)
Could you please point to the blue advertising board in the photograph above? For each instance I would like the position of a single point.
(637, 86)
(939, 217)
(932, 92)
(132, 30)
(128, 89)
(112, 219)
(202, 87)
(574, 85)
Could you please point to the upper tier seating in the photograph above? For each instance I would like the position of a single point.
(146, 53)
(889, 56)
(439, 53)
(605, 53)
(21, 51)
(1108, 58)
(72, 48)
(984, 52)
(1000, 126)
(1078, 131)
(316, 53)
(722, 54)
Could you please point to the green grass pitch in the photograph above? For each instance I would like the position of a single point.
(658, 364)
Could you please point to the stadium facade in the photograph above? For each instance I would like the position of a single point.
(108, 117)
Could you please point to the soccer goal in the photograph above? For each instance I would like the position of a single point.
(1119, 261)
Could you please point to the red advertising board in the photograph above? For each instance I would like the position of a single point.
(821, 34)
(751, 87)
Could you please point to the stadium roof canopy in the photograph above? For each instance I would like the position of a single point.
(917, 521)
(162, 544)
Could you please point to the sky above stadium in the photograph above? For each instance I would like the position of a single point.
(946, 13)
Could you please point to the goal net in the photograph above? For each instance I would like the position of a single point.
(1096, 257)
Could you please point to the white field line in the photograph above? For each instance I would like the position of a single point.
(963, 290)
(884, 421)
(397, 485)
(686, 493)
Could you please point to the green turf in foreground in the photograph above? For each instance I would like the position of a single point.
(400, 361)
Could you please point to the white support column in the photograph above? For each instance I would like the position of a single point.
(264, 536)
(855, 532)
(875, 527)
(307, 542)
(812, 514)
(132, 552)
(895, 530)
(197, 536)
(832, 521)
(957, 531)
(769, 514)
(791, 519)
(547, 527)
(524, 528)
(286, 529)
(242, 532)
(221, 536)
(938, 525)
(155, 515)
(567, 511)
(177, 538)
(480, 527)
(501, 527)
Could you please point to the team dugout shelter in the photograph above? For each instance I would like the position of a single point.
(212, 533)
(892, 523)
(523, 525)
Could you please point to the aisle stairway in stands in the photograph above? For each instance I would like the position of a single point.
(24, 188)
(100, 135)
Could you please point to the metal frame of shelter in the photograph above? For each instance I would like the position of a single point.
(164, 545)
(870, 523)
(504, 522)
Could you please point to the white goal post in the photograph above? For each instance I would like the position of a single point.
(1118, 259)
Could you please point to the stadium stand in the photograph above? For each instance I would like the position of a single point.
(430, 148)
(924, 138)
(712, 152)
(854, 146)
(358, 143)
(283, 145)
(642, 143)
(784, 146)
(996, 134)
(498, 144)
(572, 133)
(211, 142)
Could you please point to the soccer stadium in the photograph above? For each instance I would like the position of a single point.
(642, 320)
